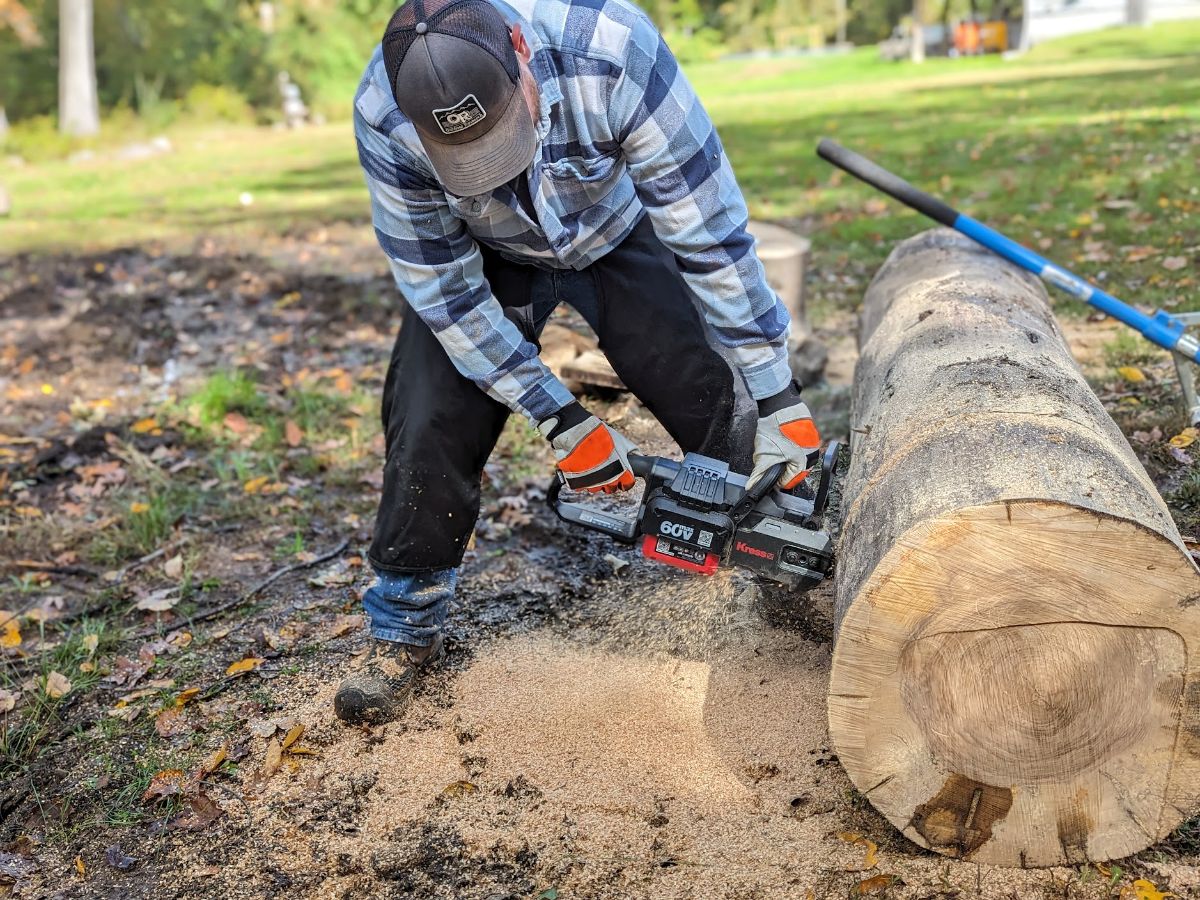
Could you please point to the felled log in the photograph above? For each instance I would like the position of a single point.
(1016, 675)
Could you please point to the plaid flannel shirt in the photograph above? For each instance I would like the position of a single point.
(621, 134)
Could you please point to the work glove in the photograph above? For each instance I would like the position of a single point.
(786, 434)
(591, 456)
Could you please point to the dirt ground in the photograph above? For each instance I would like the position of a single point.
(602, 727)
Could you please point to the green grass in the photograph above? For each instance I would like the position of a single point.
(1084, 147)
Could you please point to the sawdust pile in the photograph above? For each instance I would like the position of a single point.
(549, 764)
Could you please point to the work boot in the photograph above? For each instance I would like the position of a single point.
(382, 689)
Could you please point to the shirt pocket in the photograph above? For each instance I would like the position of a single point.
(479, 208)
(576, 183)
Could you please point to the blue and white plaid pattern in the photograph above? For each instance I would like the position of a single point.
(620, 132)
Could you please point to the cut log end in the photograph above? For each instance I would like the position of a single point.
(1007, 684)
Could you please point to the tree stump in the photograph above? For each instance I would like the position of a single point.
(1016, 675)
(784, 255)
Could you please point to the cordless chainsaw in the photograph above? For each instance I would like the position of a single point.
(697, 515)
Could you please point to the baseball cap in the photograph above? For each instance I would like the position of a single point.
(455, 75)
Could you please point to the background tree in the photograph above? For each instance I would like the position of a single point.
(78, 100)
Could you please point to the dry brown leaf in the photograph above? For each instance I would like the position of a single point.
(8, 700)
(144, 426)
(871, 857)
(302, 751)
(211, 763)
(173, 567)
(90, 643)
(79, 866)
(159, 601)
(57, 685)
(274, 758)
(202, 811)
(1185, 438)
(457, 789)
(166, 783)
(10, 635)
(236, 423)
(171, 722)
(1174, 263)
(249, 664)
(1131, 373)
(137, 508)
(875, 885)
(293, 434)
(293, 735)
(186, 696)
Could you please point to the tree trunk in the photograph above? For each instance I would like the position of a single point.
(1015, 677)
(1137, 12)
(78, 105)
(917, 41)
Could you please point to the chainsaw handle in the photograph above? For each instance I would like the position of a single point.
(624, 530)
(891, 184)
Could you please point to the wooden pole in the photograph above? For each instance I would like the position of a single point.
(1015, 677)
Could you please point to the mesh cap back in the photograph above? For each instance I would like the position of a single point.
(475, 21)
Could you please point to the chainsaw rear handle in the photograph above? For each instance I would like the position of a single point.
(892, 185)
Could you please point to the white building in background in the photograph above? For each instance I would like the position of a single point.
(1049, 19)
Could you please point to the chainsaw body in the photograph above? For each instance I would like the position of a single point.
(697, 515)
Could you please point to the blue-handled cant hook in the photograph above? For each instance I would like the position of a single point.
(1161, 328)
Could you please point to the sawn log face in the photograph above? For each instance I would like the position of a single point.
(1013, 674)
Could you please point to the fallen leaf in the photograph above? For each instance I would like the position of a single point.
(202, 811)
(186, 696)
(166, 783)
(876, 885)
(173, 567)
(1174, 263)
(116, 858)
(90, 643)
(144, 426)
(293, 434)
(249, 664)
(274, 758)
(8, 700)
(171, 722)
(871, 857)
(302, 751)
(1185, 438)
(79, 866)
(159, 601)
(263, 728)
(1143, 890)
(344, 624)
(57, 685)
(124, 712)
(457, 789)
(1131, 373)
(212, 762)
(254, 485)
(236, 423)
(137, 508)
(292, 736)
(10, 636)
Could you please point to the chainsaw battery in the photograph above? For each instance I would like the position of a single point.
(707, 531)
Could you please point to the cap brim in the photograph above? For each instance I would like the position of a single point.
(482, 165)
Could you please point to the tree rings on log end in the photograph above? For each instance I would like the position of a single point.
(1018, 683)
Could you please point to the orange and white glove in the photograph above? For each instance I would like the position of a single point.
(786, 434)
(591, 456)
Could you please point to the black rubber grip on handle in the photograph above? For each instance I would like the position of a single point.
(892, 185)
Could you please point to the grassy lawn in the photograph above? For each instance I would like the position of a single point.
(1085, 148)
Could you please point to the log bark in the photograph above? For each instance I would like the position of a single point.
(1015, 676)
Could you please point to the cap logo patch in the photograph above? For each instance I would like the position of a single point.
(461, 116)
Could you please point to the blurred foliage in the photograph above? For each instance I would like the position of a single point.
(221, 58)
